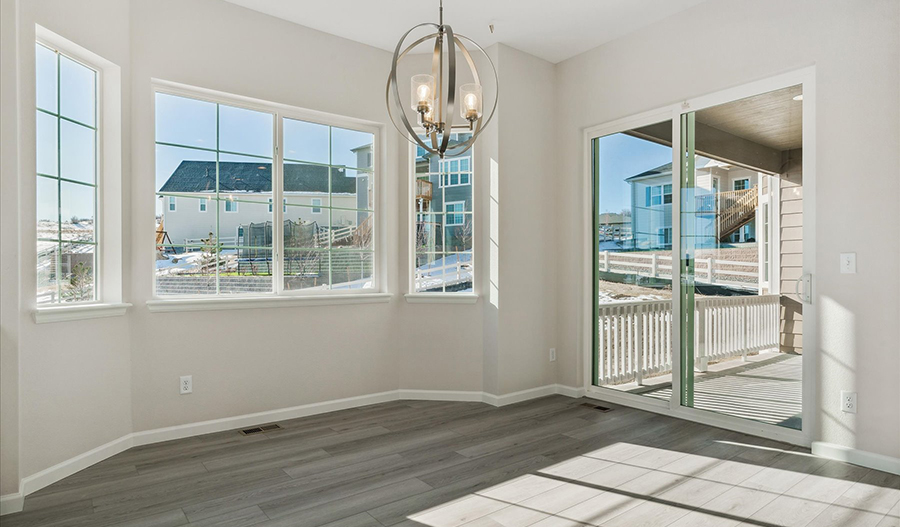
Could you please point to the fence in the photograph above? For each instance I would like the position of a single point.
(635, 338)
(706, 270)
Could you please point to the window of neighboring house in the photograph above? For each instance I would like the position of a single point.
(741, 184)
(665, 236)
(203, 204)
(283, 205)
(317, 205)
(171, 203)
(454, 211)
(232, 206)
(659, 195)
(455, 172)
(444, 219)
(67, 178)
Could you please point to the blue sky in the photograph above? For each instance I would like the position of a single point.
(192, 123)
(623, 156)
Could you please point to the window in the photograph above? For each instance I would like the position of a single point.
(171, 203)
(741, 184)
(455, 206)
(665, 236)
(202, 204)
(67, 178)
(443, 228)
(324, 237)
(659, 195)
(455, 172)
(329, 184)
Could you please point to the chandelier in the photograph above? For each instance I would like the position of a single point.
(434, 96)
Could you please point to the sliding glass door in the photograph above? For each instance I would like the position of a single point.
(741, 317)
(698, 260)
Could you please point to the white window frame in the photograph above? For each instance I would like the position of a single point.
(736, 181)
(412, 296)
(203, 206)
(230, 203)
(805, 77)
(316, 207)
(108, 218)
(171, 204)
(446, 173)
(281, 297)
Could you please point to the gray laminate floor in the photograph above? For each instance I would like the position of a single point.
(546, 462)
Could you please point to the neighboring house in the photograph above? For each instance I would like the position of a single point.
(651, 204)
(245, 197)
(449, 181)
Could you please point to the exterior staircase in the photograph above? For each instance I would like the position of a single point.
(734, 209)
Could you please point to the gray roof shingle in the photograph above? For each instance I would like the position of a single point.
(200, 176)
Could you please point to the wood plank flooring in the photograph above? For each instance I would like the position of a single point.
(546, 462)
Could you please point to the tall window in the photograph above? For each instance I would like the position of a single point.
(329, 219)
(66, 178)
(443, 230)
(320, 240)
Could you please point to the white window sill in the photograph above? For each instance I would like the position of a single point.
(441, 298)
(44, 315)
(217, 304)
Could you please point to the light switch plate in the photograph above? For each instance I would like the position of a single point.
(848, 263)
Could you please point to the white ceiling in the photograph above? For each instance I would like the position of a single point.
(551, 29)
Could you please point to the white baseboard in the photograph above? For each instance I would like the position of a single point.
(440, 395)
(242, 421)
(10, 503)
(14, 502)
(857, 457)
(70, 466)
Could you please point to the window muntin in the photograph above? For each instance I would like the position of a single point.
(215, 158)
(321, 240)
(328, 184)
(66, 190)
(741, 184)
(443, 260)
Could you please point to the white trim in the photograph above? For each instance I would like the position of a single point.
(64, 313)
(203, 205)
(804, 77)
(517, 397)
(281, 111)
(441, 298)
(313, 206)
(440, 395)
(172, 204)
(219, 304)
(169, 433)
(857, 457)
(64, 469)
(10, 503)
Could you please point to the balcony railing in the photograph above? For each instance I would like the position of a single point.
(706, 270)
(635, 338)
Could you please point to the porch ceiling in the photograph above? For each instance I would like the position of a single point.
(771, 119)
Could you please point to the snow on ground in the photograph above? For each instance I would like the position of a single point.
(444, 271)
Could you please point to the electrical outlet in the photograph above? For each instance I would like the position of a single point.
(848, 402)
(552, 354)
(187, 384)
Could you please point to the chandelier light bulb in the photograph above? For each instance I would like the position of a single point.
(422, 90)
(470, 109)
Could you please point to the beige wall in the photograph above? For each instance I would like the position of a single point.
(9, 240)
(855, 47)
(73, 394)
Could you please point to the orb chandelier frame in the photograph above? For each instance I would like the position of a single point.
(433, 99)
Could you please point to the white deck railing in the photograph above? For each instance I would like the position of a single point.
(707, 270)
(635, 338)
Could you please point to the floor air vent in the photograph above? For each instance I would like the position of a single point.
(595, 407)
(259, 429)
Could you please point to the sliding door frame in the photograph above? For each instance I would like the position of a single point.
(810, 401)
